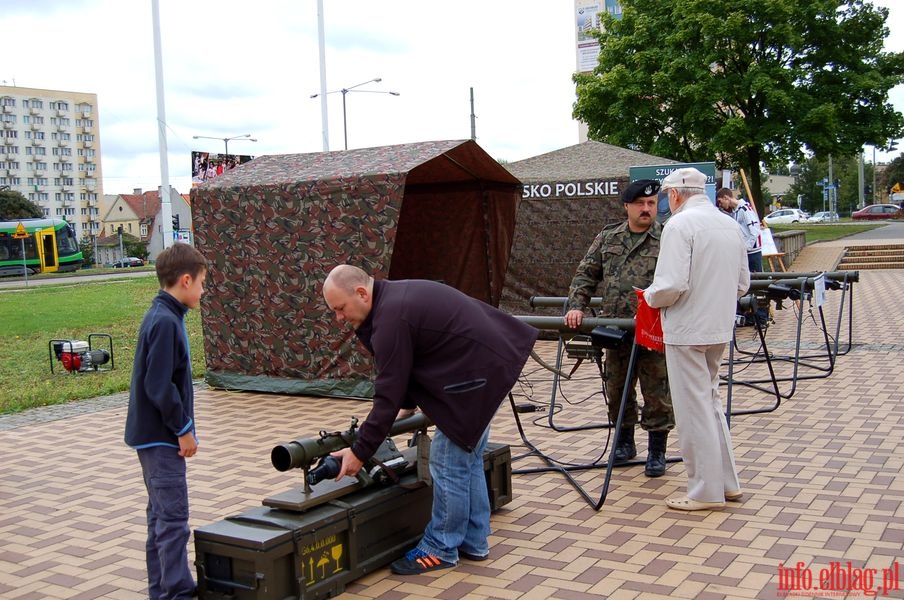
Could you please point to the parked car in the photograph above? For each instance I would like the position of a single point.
(878, 211)
(129, 261)
(786, 215)
(823, 216)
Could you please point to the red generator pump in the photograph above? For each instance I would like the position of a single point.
(80, 356)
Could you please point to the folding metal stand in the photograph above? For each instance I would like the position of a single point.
(558, 323)
(798, 360)
(565, 470)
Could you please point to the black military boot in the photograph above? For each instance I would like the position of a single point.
(656, 454)
(625, 450)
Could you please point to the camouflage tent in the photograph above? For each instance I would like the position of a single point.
(569, 195)
(272, 228)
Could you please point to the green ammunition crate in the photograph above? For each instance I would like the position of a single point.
(267, 553)
(497, 466)
(240, 557)
(276, 554)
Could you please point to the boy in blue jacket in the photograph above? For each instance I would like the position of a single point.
(160, 423)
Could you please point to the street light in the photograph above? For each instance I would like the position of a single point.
(344, 91)
(245, 137)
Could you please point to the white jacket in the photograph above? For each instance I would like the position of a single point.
(701, 273)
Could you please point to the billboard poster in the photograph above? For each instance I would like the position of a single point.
(206, 165)
(660, 172)
(587, 19)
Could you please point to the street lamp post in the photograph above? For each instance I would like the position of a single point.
(245, 137)
(873, 199)
(345, 91)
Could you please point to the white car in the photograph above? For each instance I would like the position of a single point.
(786, 215)
(824, 216)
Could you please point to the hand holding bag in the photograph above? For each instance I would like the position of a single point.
(648, 325)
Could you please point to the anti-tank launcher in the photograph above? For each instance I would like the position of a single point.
(387, 465)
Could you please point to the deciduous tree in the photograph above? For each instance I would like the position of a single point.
(14, 205)
(747, 83)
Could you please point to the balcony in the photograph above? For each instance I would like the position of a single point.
(8, 125)
(35, 127)
(60, 113)
(62, 142)
(91, 185)
(34, 111)
(86, 114)
(88, 143)
(65, 159)
(9, 141)
(8, 109)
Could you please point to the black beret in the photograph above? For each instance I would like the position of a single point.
(640, 188)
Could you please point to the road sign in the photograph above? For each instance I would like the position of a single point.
(20, 234)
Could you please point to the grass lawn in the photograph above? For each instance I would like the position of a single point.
(35, 315)
(819, 232)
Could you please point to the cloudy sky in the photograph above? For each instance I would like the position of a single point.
(234, 67)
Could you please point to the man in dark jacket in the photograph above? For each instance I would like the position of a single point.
(456, 358)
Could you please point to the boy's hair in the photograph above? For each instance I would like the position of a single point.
(178, 260)
(724, 192)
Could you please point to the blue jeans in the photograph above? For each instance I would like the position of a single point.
(169, 574)
(461, 505)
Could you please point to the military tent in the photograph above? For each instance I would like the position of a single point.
(272, 229)
(569, 195)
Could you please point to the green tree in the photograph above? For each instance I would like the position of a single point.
(14, 205)
(845, 170)
(751, 84)
(86, 245)
(892, 174)
(134, 247)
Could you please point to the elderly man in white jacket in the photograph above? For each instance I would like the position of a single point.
(701, 273)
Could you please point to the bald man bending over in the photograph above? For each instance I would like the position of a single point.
(455, 358)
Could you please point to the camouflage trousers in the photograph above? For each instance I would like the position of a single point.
(649, 368)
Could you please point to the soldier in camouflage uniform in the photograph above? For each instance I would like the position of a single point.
(623, 257)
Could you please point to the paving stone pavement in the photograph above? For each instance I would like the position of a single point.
(820, 462)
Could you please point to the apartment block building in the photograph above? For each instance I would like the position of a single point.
(50, 153)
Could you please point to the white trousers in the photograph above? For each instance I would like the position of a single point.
(703, 434)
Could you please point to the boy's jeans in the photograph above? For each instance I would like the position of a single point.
(461, 505)
(169, 574)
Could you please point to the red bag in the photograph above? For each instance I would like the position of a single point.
(648, 325)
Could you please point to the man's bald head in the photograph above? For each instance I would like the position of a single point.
(348, 291)
(347, 277)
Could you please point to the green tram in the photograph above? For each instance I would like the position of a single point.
(51, 246)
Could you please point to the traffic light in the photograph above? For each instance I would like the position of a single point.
(176, 223)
